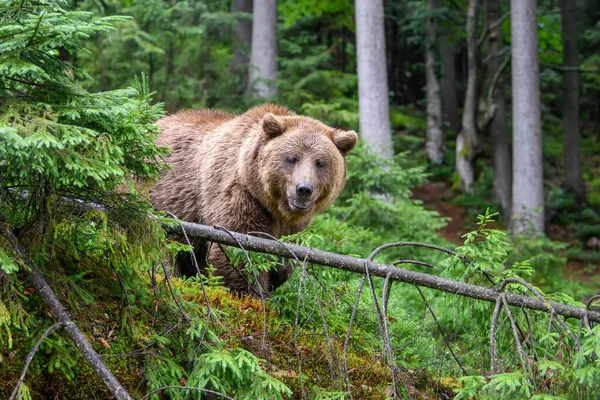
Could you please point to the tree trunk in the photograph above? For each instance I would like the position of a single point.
(449, 96)
(498, 131)
(243, 37)
(263, 56)
(434, 142)
(574, 181)
(528, 184)
(372, 77)
(466, 142)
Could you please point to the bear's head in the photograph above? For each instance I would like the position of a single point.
(298, 165)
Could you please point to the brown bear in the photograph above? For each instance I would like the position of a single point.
(267, 170)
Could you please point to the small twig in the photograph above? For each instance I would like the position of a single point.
(347, 340)
(383, 326)
(188, 388)
(464, 371)
(520, 351)
(327, 337)
(303, 275)
(125, 296)
(541, 298)
(493, 330)
(588, 305)
(395, 263)
(168, 280)
(30, 356)
(258, 283)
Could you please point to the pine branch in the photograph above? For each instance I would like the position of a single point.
(62, 316)
(357, 265)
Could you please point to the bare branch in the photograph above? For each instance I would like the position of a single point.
(29, 358)
(60, 313)
(354, 264)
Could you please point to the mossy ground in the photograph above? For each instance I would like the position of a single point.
(300, 357)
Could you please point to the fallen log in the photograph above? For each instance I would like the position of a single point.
(358, 265)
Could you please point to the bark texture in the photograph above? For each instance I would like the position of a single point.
(434, 143)
(449, 96)
(574, 179)
(528, 188)
(373, 100)
(466, 142)
(243, 38)
(498, 131)
(263, 56)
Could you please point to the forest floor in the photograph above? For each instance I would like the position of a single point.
(439, 196)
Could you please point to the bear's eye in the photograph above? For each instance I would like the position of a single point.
(319, 164)
(292, 160)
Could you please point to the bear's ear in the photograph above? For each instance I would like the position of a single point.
(345, 141)
(272, 125)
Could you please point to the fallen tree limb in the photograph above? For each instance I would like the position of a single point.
(30, 356)
(354, 264)
(60, 313)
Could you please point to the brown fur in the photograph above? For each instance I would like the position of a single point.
(242, 172)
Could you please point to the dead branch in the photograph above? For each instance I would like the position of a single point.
(34, 350)
(60, 313)
(357, 265)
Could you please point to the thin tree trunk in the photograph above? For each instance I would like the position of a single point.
(466, 142)
(574, 182)
(263, 56)
(243, 37)
(434, 142)
(449, 95)
(498, 131)
(373, 99)
(528, 188)
(102, 80)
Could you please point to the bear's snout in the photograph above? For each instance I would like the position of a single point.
(304, 190)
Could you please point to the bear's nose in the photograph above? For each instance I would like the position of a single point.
(304, 190)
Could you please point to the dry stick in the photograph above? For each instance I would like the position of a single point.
(168, 280)
(196, 265)
(297, 317)
(413, 262)
(384, 333)
(520, 350)
(589, 303)
(29, 358)
(442, 332)
(60, 313)
(329, 344)
(493, 329)
(259, 284)
(354, 264)
(347, 340)
(541, 298)
(195, 389)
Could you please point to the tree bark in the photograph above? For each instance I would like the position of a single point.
(243, 38)
(466, 142)
(373, 102)
(263, 55)
(528, 185)
(359, 265)
(434, 142)
(572, 153)
(449, 95)
(498, 131)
